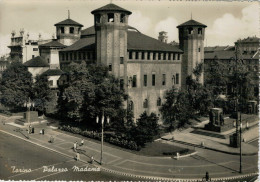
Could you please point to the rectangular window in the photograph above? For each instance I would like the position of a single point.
(67, 56)
(97, 17)
(136, 55)
(71, 30)
(177, 78)
(169, 56)
(134, 81)
(130, 55)
(148, 55)
(179, 56)
(122, 18)
(70, 56)
(35, 49)
(121, 84)
(163, 79)
(142, 55)
(62, 29)
(153, 80)
(154, 55)
(121, 60)
(174, 55)
(199, 30)
(164, 56)
(110, 67)
(110, 17)
(145, 80)
(159, 56)
(84, 55)
(62, 57)
(199, 49)
(79, 55)
(75, 55)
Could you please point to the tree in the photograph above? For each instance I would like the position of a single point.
(146, 129)
(16, 86)
(44, 97)
(168, 108)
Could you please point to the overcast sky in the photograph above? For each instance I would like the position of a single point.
(226, 21)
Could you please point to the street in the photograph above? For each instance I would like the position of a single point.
(29, 156)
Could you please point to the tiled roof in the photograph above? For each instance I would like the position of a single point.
(135, 41)
(191, 23)
(218, 48)
(69, 22)
(52, 72)
(84, 43)
(111, 7)
(53, 43)
(90, 31)
(36, 62)
(139, 41)
(228, 55)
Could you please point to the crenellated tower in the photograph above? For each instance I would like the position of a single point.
(191, 38)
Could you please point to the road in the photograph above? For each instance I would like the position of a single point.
(28, 156)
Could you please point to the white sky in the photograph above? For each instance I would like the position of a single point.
(226, 21)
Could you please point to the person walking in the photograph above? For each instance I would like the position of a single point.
(82, 142)
(77, 156)
(92, 159)
(75, 146)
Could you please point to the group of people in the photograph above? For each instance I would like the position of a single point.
(75, 148)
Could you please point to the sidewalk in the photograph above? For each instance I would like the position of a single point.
(125, 163)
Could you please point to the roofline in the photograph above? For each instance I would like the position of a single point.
(179, 51)
(192, 26)
(126, 11)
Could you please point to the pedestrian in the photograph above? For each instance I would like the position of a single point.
(77, 156)
(82, 142)
(43, 131)
(75, 146)
(51, 139)
(92, 159)
(247, 125)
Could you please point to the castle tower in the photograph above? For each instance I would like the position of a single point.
(191, 38)
(68, 31)
(111, 24)
(163, 36)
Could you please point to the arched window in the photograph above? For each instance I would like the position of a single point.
(190, 30)
(199, 30)
(110, 17)
(145, 103)
(159, 102)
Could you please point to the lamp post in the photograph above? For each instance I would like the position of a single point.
(102, 134)
(240, 169)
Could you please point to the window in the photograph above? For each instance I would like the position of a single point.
(148, 56)
(67, 56)
(32, 56)
(177, 78)
(199, 49)
(130, 55)
(70, 56)
(136, 55)
(153, 79)
(163, 79)
(190, 30)
(62, 57)
(159, 56)
(84, 55)
(154, 56)
(164, 56)
(48, 60)
(79, 55)
(131, 106)
(145, 105)
(159, 102)
(110, 17)
(75, 55)
(142, 55)
(178, 56)
(121, 84)
(134, 81)
(121, 60)
(110, 67)
(174, 56)
(50, 82)
(98, 18)
(122, 18)
(199, 30)
(72, 30)
(145, 80)
(62, 29)
(35, 49)
(169, 56)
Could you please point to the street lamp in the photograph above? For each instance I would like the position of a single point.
(240, 169)
(102, 133)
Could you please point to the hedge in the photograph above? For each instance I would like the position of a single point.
(119, 140)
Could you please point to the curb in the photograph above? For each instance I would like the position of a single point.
(132, 175)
